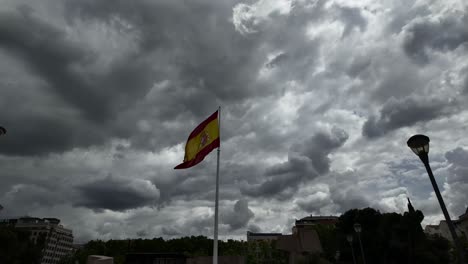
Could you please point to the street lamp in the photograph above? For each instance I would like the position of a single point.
(419, 144)
(349, 237)
(358, 229)
(2, 131)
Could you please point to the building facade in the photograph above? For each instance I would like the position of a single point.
(302, 243)
(57, 241)
(251, 236)
(461, 227)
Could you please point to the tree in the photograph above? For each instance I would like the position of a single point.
(391, 238)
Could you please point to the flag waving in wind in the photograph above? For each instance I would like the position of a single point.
(203, 139)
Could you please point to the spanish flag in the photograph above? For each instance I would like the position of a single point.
(203, 139)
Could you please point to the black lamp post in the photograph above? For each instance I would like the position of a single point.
(358, 229)
(349, 237)
(419, 144)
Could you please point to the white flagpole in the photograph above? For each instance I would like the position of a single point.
(215, 240)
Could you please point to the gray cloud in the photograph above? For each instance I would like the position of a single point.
(171, 231)
(117, 195)
(47, 53)
(85, 102)
(457, 180)
(240, 216)
(254, 228)
(305, 162)
(443, 34)
(142, 233)
(352, 18)
(402, 113)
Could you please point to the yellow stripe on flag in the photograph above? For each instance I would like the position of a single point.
(209, 134)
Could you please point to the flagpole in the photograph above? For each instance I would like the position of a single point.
(215, 240)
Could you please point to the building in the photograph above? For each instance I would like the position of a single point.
(304, 240)
(251, 236)
(461, 227)
(57, 240)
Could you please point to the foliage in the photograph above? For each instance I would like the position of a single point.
(327, 235)
(190, 246)
(255, 252)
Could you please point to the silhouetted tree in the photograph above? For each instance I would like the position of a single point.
(391, 238)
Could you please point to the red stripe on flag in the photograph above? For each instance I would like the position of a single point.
(202, 125)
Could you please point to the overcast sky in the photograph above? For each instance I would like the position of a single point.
(318, 100)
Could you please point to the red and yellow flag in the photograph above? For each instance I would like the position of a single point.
(203, 139)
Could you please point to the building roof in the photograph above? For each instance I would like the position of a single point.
(263, 234)
(464, 216)
(317, 219)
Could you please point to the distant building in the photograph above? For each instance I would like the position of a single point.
(58, 240)
(462, 223)
(461, 227)
(304, 240)
(251, 236)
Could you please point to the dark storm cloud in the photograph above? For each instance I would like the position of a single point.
(85, 103)
(352, 18)
(204, 49)
(197, 50)
(34, 128)
(117, 195)
(240, 216)
(142, 233)
(306, 161)
(402, 113)
(447, 33)
(46, 52)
